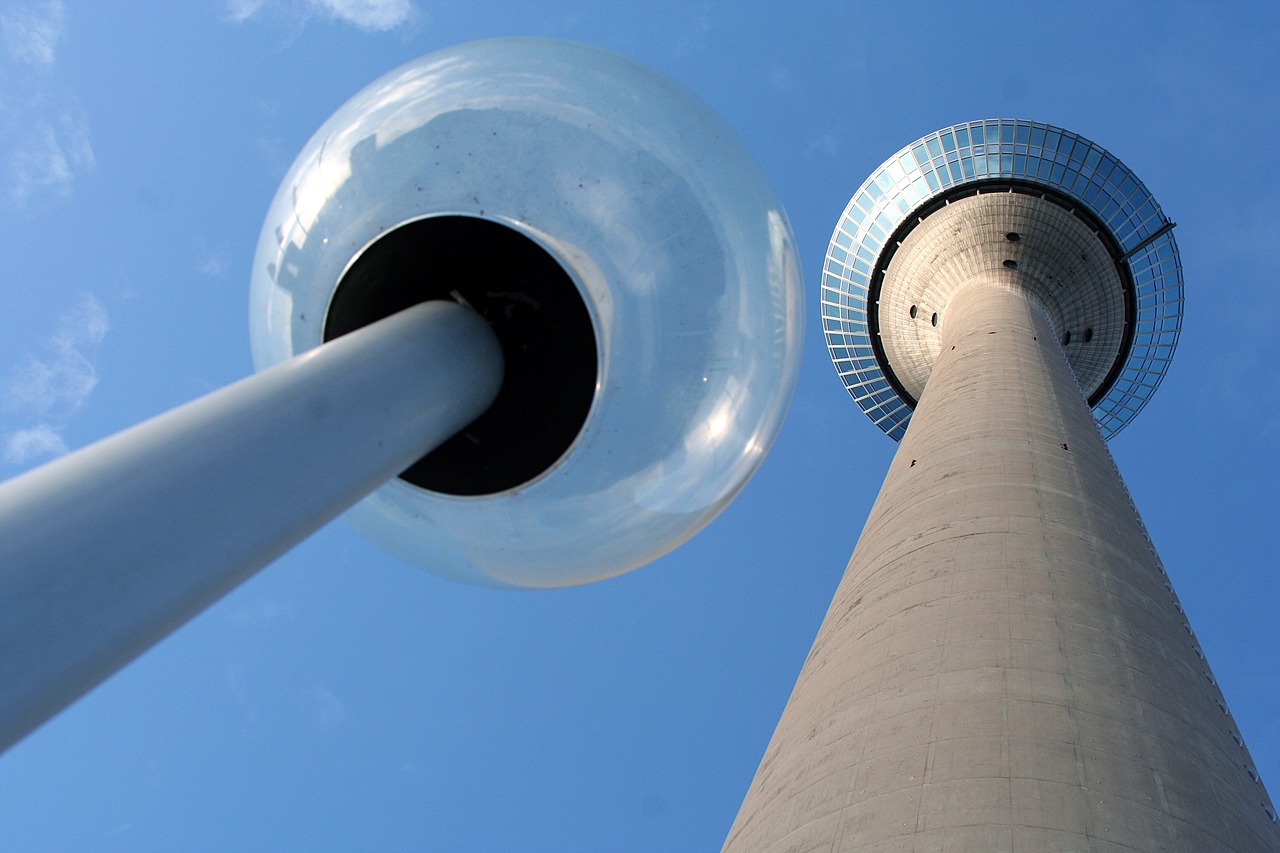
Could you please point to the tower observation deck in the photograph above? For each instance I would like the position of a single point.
(1005, 665)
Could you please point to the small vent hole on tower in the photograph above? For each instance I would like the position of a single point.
(1239, 742)
(1088, 335)
(1271, 815)
(914, 312)
(1013, 236)
(934, 319)
(1066, 339)
(1253, 774)
(1011, 264)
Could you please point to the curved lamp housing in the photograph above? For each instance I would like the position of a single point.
(626, 248)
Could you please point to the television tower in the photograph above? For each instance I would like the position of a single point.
(1005, 665)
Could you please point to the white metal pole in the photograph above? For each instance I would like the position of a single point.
(105, 551)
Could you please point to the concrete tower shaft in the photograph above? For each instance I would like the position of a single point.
(1004, 665)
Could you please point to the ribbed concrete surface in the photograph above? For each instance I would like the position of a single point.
(1058, 257)
(1004, 666)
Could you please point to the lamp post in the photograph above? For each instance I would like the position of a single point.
(530, 306)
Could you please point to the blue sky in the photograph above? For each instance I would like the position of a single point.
(341, 700)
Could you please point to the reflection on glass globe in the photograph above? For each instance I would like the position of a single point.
(628, 251)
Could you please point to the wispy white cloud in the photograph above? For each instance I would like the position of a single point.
(239, 11)
(31, 33)
(48, 160)
(46, 391)
(214, 264)
(38, 442)
(371, 15)
(44, 139)
(368, 15)
(325, 710)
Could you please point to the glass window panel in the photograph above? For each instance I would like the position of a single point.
(1019, 164)
(1051, 140)
(948, 141)
(1006, 163)
(1056, 175)
(992, 133)
(1037, 137)
(932, 179)
(1093, 158)
(920, 187)
(884, 180)
(1024, 132)
(967, 166)
(1006, 133)
(934, 146)
(1080, 150)
(909, 162)
(865, 202)
(979, 164)
(956, 174)
(918, 152)
(962, 136)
